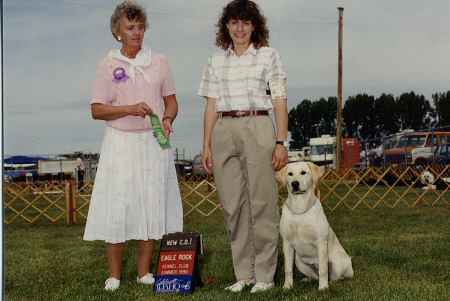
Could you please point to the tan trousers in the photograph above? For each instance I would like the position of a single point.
(242, 152)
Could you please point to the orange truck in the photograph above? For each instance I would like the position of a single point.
(414, 148)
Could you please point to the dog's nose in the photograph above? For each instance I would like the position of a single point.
(295, 185)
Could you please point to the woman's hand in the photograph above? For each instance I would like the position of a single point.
(279, 157)
(167, 126)
(140, 109)
(206, 160)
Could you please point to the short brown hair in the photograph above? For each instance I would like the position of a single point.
(244, 10)
(132, 11)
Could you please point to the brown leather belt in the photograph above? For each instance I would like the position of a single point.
(243, 113)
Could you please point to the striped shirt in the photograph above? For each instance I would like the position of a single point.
(240, 83)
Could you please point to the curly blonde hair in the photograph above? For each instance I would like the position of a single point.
(244, 10)
(132, 11)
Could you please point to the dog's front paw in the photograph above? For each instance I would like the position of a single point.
(323, 287)
(288, 282)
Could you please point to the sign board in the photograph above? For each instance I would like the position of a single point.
(178, 263)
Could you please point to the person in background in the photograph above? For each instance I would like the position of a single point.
(136, 194)
(377, 154)
(242, 86)
(80, 171)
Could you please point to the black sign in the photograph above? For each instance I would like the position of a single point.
(178, 263)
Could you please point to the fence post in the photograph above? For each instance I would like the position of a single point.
(71, 202)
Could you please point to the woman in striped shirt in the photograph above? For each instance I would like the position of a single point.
(243, 85)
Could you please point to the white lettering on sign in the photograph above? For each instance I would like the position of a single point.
(169, 272)
(185, 257)
(174, 285)
(172, 242)
(185, 242)
(183, 266)
(169, 257)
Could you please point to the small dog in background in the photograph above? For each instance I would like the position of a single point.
(427, 179)
(308, 239)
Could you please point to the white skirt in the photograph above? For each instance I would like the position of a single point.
(136, 194)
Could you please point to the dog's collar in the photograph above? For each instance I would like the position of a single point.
(303, 211)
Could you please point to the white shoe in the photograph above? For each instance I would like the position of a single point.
(238, 286)
(262, 286)
(112, 284)
(147, 279)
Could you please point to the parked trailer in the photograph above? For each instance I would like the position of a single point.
(57, 165)
(323, 151)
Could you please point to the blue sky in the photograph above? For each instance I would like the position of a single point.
(51, 49)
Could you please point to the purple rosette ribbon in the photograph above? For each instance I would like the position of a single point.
(119, 75)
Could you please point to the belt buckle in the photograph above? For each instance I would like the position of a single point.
(240, 113)
(235, 113)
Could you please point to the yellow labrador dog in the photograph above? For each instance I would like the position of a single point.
(307, 237)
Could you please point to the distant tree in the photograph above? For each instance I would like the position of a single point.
(386, 112)
(415, 111)
(300, 124)
(365, 117)
(69, 156)
(350, 119)
(359, 118)
(310, 119)
(442, 104)
(325, 112)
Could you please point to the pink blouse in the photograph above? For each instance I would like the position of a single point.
(107, 90)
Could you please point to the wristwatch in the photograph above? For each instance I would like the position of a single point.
(284, 143)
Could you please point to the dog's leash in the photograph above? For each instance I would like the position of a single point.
(303, 211)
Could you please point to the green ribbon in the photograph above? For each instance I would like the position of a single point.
(157, 129)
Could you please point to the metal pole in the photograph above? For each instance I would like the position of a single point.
(339, 96)
(60, 165)
(317, 129)
(406, 150)
(365, 152)
(432, 143)
(12, 173)
(350, 148)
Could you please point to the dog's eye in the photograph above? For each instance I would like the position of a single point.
(290, 174)
(303, 173)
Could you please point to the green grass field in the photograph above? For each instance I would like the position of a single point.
(398, 254)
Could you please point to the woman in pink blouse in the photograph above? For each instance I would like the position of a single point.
(136, 194)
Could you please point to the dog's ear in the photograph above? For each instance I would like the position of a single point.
(281, 176)
(316, 172)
